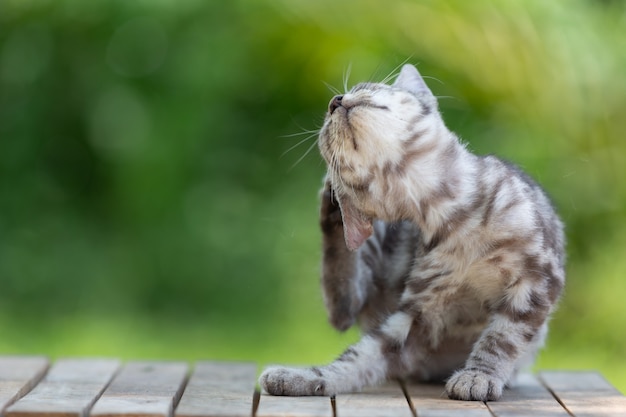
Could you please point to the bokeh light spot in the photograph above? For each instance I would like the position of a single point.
(25, 55)
(119, 123)
(137, 48)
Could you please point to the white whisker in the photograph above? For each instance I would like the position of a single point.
(374, 76)
(449, 97)
(304, 132)
(332, 89)
(394, 72)
(346, 77)
(305, 154)
(308, 138)
(434, 78)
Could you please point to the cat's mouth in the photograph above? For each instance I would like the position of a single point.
(346, 103)
(340, 131)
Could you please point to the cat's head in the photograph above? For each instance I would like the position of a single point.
(369, 136)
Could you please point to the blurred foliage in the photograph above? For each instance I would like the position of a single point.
(151, 204)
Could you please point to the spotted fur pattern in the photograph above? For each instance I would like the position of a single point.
(451, 263)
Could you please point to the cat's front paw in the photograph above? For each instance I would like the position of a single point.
(292, 382)
(471, 385)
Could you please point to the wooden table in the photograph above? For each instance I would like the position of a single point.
(35, 387)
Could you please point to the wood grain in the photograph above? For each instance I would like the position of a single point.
(219, 389)
(270, 406)
(527, 397)
(74, 387)
(69, 389)
(429, 400)
(585, 393)
(385, 401)
(18, 375)
(146, 389)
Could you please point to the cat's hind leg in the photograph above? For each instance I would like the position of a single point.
(507, 343)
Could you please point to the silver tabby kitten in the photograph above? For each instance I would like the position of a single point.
(450, 262)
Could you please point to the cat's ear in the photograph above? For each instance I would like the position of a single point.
(410, 80)
(356, 227)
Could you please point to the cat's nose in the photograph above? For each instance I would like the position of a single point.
(334, 104)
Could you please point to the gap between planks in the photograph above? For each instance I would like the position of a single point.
(19, 375)
(550, 394)
(68, 389)
(394, 399)
(106, 388)
(584, 394)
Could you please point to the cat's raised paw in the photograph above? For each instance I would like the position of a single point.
(471, 385)
(330, 212)
(292, 381)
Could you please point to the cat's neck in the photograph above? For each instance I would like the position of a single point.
(440, 188)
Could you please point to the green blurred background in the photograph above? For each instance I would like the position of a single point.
(150, 206)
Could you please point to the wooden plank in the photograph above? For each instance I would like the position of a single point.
(68, 390)
(585, 393)
(430, 400)
(219, 389)
(142, 388)
(18, 375)
(527, 397)
(271, 406)
(385, 401)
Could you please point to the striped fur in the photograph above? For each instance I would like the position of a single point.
(451, 263)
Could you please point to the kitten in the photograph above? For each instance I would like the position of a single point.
(451, 263)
